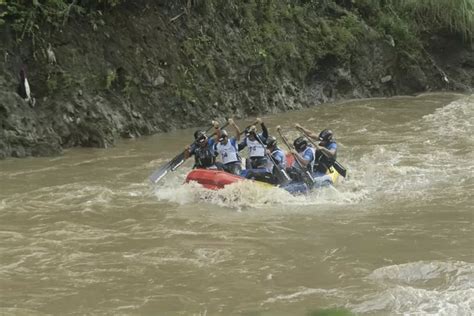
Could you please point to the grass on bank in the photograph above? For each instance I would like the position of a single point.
(456, 16)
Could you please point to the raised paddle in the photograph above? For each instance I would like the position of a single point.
(339, 168)
(177, 161)
(173, 164)
(308, 178)
(181, 160)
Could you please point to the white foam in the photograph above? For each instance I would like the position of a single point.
(422, 288)
(298, 295)
(248, 194)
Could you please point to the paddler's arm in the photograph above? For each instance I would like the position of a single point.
(188, 152)
(330, 153)
(242, 144)
(308, 132)
(264, 129)
(304, 162)
(217, 131)
(236, 128)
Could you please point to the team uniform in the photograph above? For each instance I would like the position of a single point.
(322, 163)
(257, 159)
(230, 156)
(278, 156)
(205, 157)
(296, 171)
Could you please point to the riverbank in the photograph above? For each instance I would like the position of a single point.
(144, 67)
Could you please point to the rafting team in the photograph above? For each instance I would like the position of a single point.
(266, 160)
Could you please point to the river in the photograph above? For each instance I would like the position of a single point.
(86, 233)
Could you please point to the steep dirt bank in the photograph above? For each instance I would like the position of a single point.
(151, 66)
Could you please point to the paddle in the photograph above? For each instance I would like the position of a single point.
(339, 168)
(173, 164)
(282, 176)
(308, 178)
(247, 127)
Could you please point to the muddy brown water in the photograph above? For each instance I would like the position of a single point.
(86, 233)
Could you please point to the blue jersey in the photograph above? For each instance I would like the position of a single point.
(279, 156)
(331, 146)
(307, 154)
(280, 159)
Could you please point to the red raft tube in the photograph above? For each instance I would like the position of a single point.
(212, 179)
(216, 179)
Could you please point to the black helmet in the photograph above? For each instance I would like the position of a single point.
(300, 143)
(200, 137)
(271, 141)
(199, 133)
(326, 135)
(251, 130)
(223, 134)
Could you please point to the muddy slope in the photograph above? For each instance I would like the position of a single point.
(152, 66)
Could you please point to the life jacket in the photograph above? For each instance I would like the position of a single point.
(321, 162)
(228, 152)
(310, 165)
(204, 157)
(255, 148)
(281, 165)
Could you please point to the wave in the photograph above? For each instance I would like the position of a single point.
(421, 288)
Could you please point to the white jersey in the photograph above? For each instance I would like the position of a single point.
(228, 151)
(255, 148)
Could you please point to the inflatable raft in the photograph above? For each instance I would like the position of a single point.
(216, 179)
(213, 179)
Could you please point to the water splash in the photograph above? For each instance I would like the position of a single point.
(422, 288)
(248, 194)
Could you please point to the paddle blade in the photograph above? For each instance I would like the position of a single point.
(283, 177)
(309, 180)
(339, 168)
(178, 161)
(160, 173)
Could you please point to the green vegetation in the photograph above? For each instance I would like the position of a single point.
(274, 40)
(253, 46)
(279, 39)
(455, 15)
(419, 16)
(26, 17)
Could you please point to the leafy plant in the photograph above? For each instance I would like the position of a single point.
(25, 17)
(455, 15)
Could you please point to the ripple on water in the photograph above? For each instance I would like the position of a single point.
(441, 288)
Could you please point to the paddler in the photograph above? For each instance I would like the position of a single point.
(325, 150)
(304, 154)
(227, 148)
(255, 142)
(279, 158)
(203, 149)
